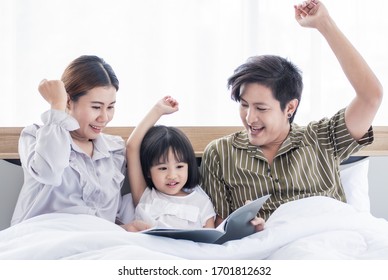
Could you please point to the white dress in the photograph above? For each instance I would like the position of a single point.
(166, 211)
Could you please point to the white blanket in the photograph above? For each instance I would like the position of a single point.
(312, 228)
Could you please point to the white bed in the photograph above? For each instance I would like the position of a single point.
(313, 228)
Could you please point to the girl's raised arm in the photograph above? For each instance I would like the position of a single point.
(166, 105)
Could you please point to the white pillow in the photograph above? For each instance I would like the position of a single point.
(354, 178)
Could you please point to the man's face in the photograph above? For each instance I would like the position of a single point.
(262, 117)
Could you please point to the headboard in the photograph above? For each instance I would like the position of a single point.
(199, 136)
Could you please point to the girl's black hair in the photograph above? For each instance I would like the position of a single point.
(156, 145)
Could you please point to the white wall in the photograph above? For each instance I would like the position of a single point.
(184, 48)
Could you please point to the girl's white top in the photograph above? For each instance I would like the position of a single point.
(60, 177)
(167, 211)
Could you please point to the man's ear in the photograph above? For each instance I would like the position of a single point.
(292, 106)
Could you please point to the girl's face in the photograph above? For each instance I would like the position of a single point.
(93, 111)
(267, 125)
(170, 177)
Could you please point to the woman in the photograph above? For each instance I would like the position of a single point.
(69, 165)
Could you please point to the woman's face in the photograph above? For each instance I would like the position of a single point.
(93, 111)
(267, 125)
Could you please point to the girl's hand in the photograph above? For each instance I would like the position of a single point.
(136, 226)
(54, 93)
(167, 105)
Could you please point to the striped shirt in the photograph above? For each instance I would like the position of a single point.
(307, 164)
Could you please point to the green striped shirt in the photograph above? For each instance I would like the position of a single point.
(307, 164)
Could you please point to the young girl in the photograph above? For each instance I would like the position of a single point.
(69, 165)
(164, 176)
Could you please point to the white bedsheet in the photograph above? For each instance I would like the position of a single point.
(313, 228)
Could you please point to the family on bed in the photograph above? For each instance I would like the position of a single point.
(70, 166)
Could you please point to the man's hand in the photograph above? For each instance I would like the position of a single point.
(257, 222)
(310, 13)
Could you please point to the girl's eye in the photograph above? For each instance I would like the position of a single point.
(182, 165)
(111, 107)
(162, 168)
(96, 107)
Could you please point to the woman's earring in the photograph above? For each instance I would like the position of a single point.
(289, 115)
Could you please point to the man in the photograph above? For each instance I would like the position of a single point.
(275, 156)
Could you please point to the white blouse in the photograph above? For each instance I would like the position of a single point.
(60, 177)
(167, 211)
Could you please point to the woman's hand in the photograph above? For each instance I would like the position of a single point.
(54, 92)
